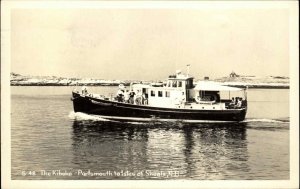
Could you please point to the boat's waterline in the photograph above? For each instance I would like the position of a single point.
(84, 116)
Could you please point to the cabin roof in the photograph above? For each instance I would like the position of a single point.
(213, 86)
(140, 86)
(179, 77)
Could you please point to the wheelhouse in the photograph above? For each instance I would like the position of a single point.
(174, 92)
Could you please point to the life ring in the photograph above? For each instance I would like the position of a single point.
(198, 99)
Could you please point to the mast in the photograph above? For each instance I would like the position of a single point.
(188, 69)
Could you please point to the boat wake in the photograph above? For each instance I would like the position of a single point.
(266, 120)
(82, 116)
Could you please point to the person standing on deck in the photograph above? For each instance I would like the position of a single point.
(84, 90)
(131, 96)
(120, 95)
(126, 96)
(138, 99)
(145, 98)
(232, 103)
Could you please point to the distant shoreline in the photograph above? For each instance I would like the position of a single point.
(114, 85)
(269, 82)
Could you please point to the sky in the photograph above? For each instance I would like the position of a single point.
(149, 44)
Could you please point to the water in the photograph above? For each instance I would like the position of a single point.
(50, 141)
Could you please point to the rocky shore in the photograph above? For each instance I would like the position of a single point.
(256, 82)
(20, 80)
(241, 81)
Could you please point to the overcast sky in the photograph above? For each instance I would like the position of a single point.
(149, 43)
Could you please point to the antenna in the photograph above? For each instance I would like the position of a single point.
(188, 69)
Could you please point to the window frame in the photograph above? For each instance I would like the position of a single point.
(179, 84)
(159, 93)
(167, 94)
(152, 93)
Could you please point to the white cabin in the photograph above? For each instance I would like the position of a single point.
(175, 93)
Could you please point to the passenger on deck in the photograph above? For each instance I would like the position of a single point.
(131, 96)
(236, 100)
(145, 98)
(138, 98)
(126, 96)
(120, 95)
(232, 101)
(84, 90)
(239, 103)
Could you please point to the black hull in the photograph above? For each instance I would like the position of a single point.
(90, 105)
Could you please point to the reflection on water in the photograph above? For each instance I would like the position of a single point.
(202, 151)
(45, 137)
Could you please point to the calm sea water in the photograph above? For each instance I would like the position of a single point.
(50, 141)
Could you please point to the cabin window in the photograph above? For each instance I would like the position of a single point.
(152, 93)
(160, 93)
(174, 84)
(179, 83)
(167, 93)
(169, 83)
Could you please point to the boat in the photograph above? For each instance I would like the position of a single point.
(179, 98)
